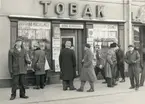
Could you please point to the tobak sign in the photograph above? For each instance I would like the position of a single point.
(60, 8)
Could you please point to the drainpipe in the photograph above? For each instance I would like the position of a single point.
(130, 35)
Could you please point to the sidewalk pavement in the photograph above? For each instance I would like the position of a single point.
(54, 92)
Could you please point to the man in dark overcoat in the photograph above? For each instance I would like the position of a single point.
(67, 62)
(120, 63)
(142, 79)
(18, 60)
(132, 58)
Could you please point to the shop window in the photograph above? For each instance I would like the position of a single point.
(136, 36)
(32, 31)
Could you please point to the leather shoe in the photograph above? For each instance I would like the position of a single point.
(131, 87)
(123, 80)
(72, 89)
(24, 97)
(90, 90)
(80, 90)
(12, 97)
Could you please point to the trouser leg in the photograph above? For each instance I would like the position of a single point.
(122, 71)
(46, 76)
(117, 72)
(21, 84)
(42, 81)
(109, 82)
(142, 76)
(137, 79)
(71, 85)
(91, 85)
(103, 74)
(97, 70)
(132, 80)
(65, 84)
(15, 84)
(82, 85)
(38, 80)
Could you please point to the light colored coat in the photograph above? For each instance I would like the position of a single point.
(87, 72)
(111, 62)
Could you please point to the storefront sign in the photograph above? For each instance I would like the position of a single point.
(60, 9)
(73, 26)
(33, 25)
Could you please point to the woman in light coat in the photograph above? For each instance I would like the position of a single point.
(87, 73)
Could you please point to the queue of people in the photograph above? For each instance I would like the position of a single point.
(109, 65)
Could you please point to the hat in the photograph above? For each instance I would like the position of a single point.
(19, 39)
(113, 45)
(87, 45)
(130, 46)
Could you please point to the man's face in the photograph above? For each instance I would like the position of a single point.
(68, 44)
(97, 48)
(130, 49)
(18, 44)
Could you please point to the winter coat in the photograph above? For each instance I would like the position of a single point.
(111, 62)
(67, 62)
(18, 61)
(133, 61)
(99, 59)
(38, 62)
(87, 72)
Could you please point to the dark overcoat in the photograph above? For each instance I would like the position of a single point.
(67, 62)
(18, 61)
(87, 72)
(133, 61)
(111, 64)
(38, 62)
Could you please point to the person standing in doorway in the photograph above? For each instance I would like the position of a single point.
(111, 66)
(87, 72)
(100, 63)
(18, 60)
(132, 58)
(120, 64)
(38, 64)
(143, 69)
(67, 62)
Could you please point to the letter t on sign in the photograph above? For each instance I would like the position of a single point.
(45, 6)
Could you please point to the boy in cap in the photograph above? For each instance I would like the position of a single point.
(132, 58)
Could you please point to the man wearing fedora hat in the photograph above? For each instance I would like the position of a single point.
(18, 59)
(132, 58)
(111, 66)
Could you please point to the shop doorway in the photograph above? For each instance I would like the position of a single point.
(76, 38)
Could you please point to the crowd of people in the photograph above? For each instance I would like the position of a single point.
(110, 65)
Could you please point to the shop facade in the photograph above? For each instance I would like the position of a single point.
(53, 22)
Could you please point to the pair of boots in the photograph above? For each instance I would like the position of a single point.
(81, 89)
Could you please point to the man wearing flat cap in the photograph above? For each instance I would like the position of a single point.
(87, 72)
(111, 66)
(132, 58)
(18, 60)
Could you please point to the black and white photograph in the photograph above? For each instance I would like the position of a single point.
(72, 51)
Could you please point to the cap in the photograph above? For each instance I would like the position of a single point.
(113, 45)
(87, 45)
(130, 46)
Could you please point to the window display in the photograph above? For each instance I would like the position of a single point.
(33, 31)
